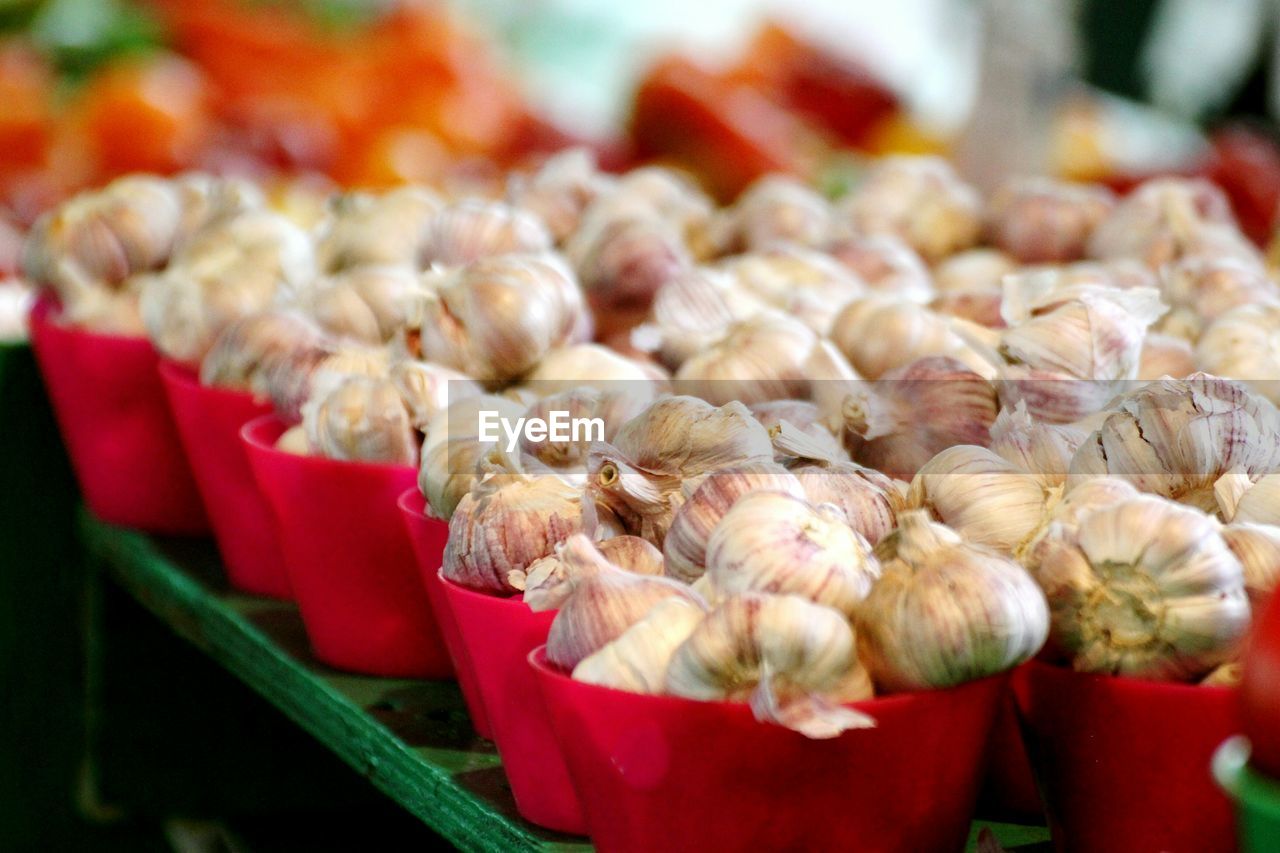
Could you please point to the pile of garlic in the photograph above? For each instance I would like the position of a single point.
(890, 441)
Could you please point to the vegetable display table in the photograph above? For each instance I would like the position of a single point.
(403, 735)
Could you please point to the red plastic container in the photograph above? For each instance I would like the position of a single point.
(1260, 689)
(1125, 763)
(1009, 787)
(664, 773)
(115, 421)
(348, 558)
(209, 422)
(428, 537)
(499, 634)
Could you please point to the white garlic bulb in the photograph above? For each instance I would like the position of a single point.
(1161, 220)
(880, 333)
(1244, 344)
(366, 229)
(495, 318)
(685, 545)
(549, 580)
(247, 351)
(778, 543)
(367, 303)
(1201, 288)
(885, 264)
(1146, 588)
(304, 374)
(946, 611)
(637, 660)
(774, 209)
(921, 200)
(622, 262)
(468, 230)
(782, 654)
(560, 190)
(973, 270)
(693, 309)
(1177, 437)
(361, 419)
(428, 389)
(1257, 547)
(1039, 220)
(986, 499)
(1041, 449)
(1165, 355)
(595, 366)
(452, 450)
(809, 285)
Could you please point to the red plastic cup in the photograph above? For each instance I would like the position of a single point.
(1009, 787)
(1125, 763)
(209, 422)
(665, 773)
(499, 633)
(348, 558)
(428, 537)
(115, 421)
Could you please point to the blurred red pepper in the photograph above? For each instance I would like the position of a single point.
(1246, 164)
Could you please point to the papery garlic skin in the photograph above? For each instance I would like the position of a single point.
(809, 285)
(782, 653)
(1201, 288)
(880, 333)
(1042, 450)
(774, 209)
(946, 611)
(921, 200)
(368, 303)
(1244, 344)
(1161, 220)
(804, 416)
(777, 543)
(1257, 547)
(549, 581)
(692, 311)
(986, 499)
(1039, 220)
(361, 419)
(1144, 588)
(685, 545)
(246, 352)
(637, 660)
(366, 229)
(471, 229)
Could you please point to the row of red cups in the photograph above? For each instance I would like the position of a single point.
(1122, 764)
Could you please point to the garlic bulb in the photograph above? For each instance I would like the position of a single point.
(495, 318)
(693, 310)
(622, 262)
(880, 333)
(1201, 289)
(366, 229)
(780, 652)
(1039, 220)
(549, 580)
(304, 374)
(1177, 437)
(652, 192)
(1161, 220)
(367, 303)
(247, 351)
(886, 265)
(361, 419)
(468, 230)
(595, 366)
(1082, 497)
(205, 198)
(1257, 547)
(1146, 588)
(919, 199)
(685, 545)
(981, 496)
(612, 410)
(809, 285)
(774, 209)
(1243, 343)
(946, 611)
(428, 389)
(506, 523)
(1041, 449)
(973, 271)
(452, 450)
(906, 417)
(642, 473)
(561, 190)
(602, 606)
(778, 543)
(229, 269)
(764, 358)
(637, 660)
(1241, 497)
(1165, 355)
(981, 307)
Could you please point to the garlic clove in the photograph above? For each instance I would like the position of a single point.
(1257, 547)
(1041, 449)
(637, 660)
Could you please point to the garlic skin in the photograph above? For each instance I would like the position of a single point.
(761, 359)
(1165, 355)
(692, 311)
(452, 451)
(880, 333)
(1257, 547)
(560, 190)
(804, 417)
(622, 262)
(1177, 437)
(506, 523)
(1040, 220)
(685, 547)
(368, 303)
(1200, 289)
(1041, 449)
(637, 660)
(886, 265)
(973, 271)
(1241, 497)
(777, 543)
(774, 209)
(375, 229)
(471, 229)
(780, 652)
(612, 409)
(495, 318)
(361, 419)
(906, 417)
(549, 581)
(981, 496)
(980, 307)
(246, 352)
(602, 606)
(1226, 675)
(1144, 588)
(594, 366)
(428, 389)
(946, 611)
(919, 199)
(1243, 343)
(305, 374)
(809, 285)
